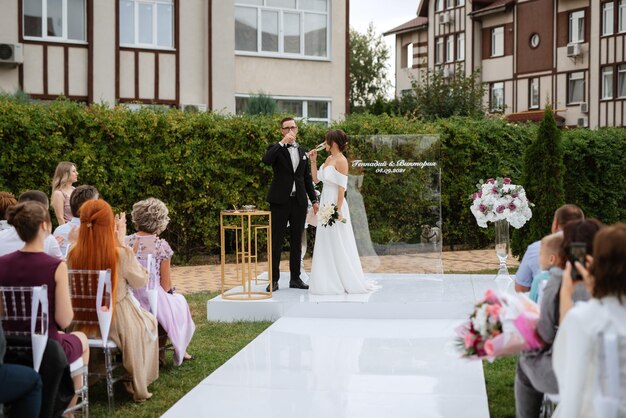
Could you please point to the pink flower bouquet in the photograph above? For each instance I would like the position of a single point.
(500, 325)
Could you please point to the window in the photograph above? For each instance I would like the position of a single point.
(438, 5)
(534, 40)
(460, 47)
(55, 20)
(439, 50)
(313, 110)
(461, 3)
(577, 26)
(607, 18)
(496, 97)
(147, 23)
(282, 27)
(449, 4)
(575, 87)
(607, 82)
(533, 93)
(497, 41)
(409, 56)
(450, 48)
(622, 16)
(621, 81)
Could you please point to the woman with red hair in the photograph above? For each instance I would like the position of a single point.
(134, 330)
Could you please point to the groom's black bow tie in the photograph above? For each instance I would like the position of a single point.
(291, 145)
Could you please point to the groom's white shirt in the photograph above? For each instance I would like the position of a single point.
(295, 160)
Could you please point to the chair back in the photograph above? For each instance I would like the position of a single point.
(91, 292)
(151, 290)
(24, 312)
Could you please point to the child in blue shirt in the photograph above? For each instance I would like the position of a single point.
(548, 257)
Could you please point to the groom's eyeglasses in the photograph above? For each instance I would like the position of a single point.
(289, 128)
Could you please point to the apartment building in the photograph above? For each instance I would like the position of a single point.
(203, 54)
(569, 53)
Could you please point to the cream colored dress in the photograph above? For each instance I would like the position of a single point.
(133, 329)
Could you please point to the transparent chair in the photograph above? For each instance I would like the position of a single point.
(90, 291)
(21, 306)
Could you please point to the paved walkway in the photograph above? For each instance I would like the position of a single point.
(207, 277)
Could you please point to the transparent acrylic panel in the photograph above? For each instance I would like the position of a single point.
(394, 195)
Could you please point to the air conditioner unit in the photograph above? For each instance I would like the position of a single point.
(582, 122)
(584, 107)
(11, 54)
(193, 108)
(573, 50)
(445, 18)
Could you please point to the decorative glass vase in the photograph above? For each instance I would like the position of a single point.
(502, 249)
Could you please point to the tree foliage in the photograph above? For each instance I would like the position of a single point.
(543, 180)
(368, 67)
(261, 104)
(437, 96)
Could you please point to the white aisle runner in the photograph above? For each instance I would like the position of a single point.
(340, 368)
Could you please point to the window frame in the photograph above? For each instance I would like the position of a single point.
(575, 22)
(154, 45)
(460, 3)
(450, 4)
(494, 44)
(460, 49)
(532, 104)
(449, 48)
(44, 25)
(492, 86)
(281, 13)
(603, 74)
(439, 50)
(603, 17)
(621, 70)
(570, 101)
(439, 5)
(305, 107)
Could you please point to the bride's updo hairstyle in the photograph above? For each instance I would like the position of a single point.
(338, 137)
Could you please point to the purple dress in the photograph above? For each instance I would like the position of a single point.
(36, 269)
(173, 310)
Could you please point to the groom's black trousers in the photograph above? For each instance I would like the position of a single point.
(294, 214)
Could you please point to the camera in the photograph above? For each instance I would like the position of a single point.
(577, 252)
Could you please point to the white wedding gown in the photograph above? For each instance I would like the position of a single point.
(336, 268)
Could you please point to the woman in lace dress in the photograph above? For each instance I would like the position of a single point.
(150, 218)
(336, 265)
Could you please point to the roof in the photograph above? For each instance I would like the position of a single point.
(496, 6)
(532, 116)
(411, 25)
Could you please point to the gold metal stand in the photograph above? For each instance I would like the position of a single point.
(246, 257)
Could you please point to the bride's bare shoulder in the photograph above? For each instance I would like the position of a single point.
(342, 165)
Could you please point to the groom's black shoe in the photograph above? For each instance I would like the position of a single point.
(274, 287)
(298, 284)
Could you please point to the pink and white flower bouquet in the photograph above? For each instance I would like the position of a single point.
(498, 199)
(500, 325)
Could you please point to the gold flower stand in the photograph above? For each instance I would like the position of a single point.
(247, 225)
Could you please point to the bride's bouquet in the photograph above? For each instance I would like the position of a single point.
(500, 325)
(328, 214)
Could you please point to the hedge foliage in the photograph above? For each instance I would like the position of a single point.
(202, 163)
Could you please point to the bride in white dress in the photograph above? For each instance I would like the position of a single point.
(336, 268)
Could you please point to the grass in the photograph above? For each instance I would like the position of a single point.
(216, 342)
(212, 345)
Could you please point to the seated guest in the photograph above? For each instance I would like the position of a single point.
(577, 348)
(6, 199)
(548, 258)
(21, 386)
(10, 240)
(529, 266)
(150, 219)
(534, 375)
(80, 195)
(30, 266)
(100, 247)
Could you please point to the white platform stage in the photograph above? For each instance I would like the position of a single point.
(390, 353)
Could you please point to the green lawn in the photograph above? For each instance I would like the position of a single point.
(215, 342)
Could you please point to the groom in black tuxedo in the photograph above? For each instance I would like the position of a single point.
(287, 196)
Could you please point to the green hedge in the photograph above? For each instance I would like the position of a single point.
(202, 163)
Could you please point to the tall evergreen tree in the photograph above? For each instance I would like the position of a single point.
(542, 178)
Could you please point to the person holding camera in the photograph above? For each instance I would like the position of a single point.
(593, 331)
(534, 375)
